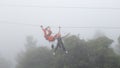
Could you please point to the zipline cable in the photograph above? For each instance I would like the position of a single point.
(22, 24)
(59, 7)
(65, 27)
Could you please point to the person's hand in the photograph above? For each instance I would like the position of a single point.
(41, 26)
(59, 27)
(48, 26)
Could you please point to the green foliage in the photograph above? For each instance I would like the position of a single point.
(4, 63)
(118, 46)
(119, 39)
(95, 53)
(40, 57)
(103, 55)
(30, 43)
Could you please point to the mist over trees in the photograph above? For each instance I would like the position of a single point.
(118, 46)
(5, 63)
(94, 53)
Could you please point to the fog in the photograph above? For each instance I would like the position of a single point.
(15, 13)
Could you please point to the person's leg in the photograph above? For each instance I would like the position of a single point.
(63, 47)
(52, 46)
(57, 46)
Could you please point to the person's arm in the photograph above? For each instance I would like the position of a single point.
(44, 28)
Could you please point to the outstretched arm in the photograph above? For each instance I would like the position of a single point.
(44, 28)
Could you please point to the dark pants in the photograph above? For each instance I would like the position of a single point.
(60, 44)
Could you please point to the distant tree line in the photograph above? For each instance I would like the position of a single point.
(4, 63)
(94, 53)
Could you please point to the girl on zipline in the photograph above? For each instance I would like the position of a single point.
(47, 34)
(59, 42)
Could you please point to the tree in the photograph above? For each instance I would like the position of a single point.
(117, 49)
(30, 43)
(37, 58)
(30, 46)
(94, 53)
(99, 34)
(34, 57)
(103, 55)
(119, 39)
(4, 63)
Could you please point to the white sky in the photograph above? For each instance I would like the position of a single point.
(12, 37)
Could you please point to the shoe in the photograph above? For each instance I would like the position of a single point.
(66, 52)
(52, 46)
(53, 53)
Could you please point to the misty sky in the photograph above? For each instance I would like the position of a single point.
(12, 36)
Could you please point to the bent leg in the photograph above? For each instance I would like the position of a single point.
(57, 46)
(62, 45)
